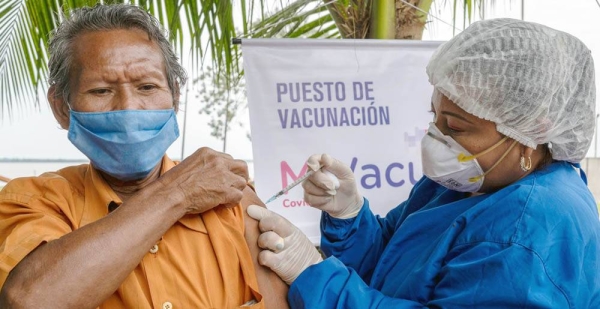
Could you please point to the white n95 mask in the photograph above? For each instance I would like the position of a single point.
(446, 162)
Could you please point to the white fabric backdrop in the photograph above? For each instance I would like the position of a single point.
(365, 102)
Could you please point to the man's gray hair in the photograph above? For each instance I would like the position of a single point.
(101, 18)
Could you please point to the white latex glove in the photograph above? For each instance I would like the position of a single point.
(320, 191)
(289, 252)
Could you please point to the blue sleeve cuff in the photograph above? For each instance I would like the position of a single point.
(334, 229)
(319, 286)
(330, 284)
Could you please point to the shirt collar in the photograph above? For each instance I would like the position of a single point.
(98, 194)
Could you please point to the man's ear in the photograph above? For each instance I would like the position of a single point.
(59, 107)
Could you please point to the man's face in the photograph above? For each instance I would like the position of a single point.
(118, 70)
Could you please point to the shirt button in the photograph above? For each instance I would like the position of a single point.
(167, 305)
(154, 249)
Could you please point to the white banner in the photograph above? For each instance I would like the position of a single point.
(365, 102)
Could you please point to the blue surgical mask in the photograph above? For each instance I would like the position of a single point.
(126, 144)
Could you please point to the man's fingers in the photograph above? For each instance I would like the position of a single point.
(230, 205)
(232, 198)
(218, 153)
(209, 178)
(234, 193)
(240, 167)
(208, 154)
(239, 183)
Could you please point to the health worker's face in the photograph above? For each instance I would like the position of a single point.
(116, 70)
(477, 135)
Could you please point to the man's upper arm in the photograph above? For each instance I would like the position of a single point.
(273, 289)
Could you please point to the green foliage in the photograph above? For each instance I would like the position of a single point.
(25, 26)
(222, 96)
(207, 25)
(342, 18)
(300, 18)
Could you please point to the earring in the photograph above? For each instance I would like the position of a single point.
(525, 167)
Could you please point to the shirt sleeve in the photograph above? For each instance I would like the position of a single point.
(330, 284)
(496, 275)
(357, 242)
(482, 275)
(29, 216)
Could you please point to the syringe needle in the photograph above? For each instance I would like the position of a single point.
(292, 185)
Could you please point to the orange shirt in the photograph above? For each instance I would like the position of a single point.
(202, 261)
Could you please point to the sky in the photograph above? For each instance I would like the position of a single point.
(36, 135)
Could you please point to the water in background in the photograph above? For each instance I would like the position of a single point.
(23, 168)
(14, 169)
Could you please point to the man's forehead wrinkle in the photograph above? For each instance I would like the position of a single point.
(140, 70)
(131, 71)
(105, 48)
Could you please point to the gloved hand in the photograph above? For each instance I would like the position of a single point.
(320, 190)
(289, 252)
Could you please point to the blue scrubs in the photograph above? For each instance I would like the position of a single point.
(533, 244)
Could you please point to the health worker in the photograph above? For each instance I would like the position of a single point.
(502, 218)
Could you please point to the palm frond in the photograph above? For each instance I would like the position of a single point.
(208, 26)
(19, 51)
(25, 25)
(301, 18)
(468, 7)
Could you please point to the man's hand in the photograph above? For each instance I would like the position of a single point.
(207, 179)
(289, 252)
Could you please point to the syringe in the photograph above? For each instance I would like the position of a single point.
(300, 180)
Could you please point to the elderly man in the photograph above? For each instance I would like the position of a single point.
(132, 229)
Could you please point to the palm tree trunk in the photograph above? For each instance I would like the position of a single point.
(395, 19)
(383, 20)
(353, 19)
(410, 22)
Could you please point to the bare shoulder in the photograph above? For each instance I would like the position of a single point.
(273, 289)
